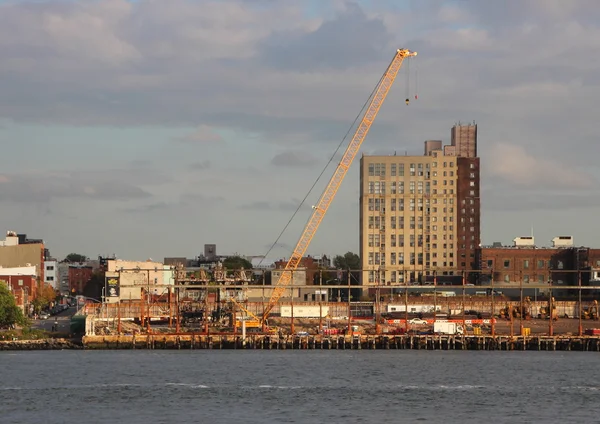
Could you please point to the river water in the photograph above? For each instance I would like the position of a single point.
(147, 387)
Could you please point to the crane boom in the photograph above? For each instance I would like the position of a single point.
(326, 198)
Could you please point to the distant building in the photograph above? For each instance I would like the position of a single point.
(51, 275)
(22, 283)
(19, 251)
(562, 264)
(78, 277)
(210, 251)
(130, 280)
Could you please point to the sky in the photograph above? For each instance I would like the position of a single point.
(149, 128)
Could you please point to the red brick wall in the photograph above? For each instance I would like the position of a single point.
(78, 278)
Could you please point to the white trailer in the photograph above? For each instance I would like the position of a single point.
(301, 311)
(415, 309)
(444, 327)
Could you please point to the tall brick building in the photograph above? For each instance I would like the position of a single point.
(420, 215)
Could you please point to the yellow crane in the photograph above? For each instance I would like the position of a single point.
(326, 198)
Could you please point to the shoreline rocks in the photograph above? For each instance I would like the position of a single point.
(41, 344)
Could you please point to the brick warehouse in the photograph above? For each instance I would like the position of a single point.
(563, 265)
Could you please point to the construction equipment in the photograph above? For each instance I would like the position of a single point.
(590, 312)
(319, 210)
(252, 321)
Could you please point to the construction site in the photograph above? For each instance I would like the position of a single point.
(222, 308)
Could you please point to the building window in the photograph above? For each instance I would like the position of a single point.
(526, 264)
(540, 264)
(49, 278)
(401, 170)
(371, 236)
(371, 276)
(490, 263)
(50, 268)
(506, 278)
(472, 183)
(506, 264)
(393, 169)
(541, 278)
(393, 276)
(371, 170)
(526, 278)
(370, 258)
(393, 258)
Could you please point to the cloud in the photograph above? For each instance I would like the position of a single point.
(337, 44)
(201, 199)
(540, 201)
(285, 206)
(128, 183)
(203, 134)
(200, 166)
(294, 158)
(513, 164)
(262, 78)
(152, 207)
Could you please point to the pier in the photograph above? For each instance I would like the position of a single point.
(367, 342)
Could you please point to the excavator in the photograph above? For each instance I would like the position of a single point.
(320, 209)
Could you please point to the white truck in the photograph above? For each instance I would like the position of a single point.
(444, 327)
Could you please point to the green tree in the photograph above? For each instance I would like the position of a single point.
(348, 261)
(75, 257)
(44, 299)
(237, 262)
(10, 313)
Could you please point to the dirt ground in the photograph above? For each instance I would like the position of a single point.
(566, 326)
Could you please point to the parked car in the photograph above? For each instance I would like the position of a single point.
(44, 315)
(417, 321)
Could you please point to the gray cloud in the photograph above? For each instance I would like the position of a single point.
(152, 207)
(294, 158)
(337, 44)
(268, 77)
(43, 187)
(284, 206)
(540, 201)
(200, 166)
(203, 134)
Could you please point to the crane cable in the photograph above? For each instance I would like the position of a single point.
(360, 114)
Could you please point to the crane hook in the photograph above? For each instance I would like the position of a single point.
(407, 101)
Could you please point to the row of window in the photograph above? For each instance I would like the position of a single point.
(528, 264)
(379, 187)
(398, 276)
(378, 223)
(541, 278)
(379, 169)
(541, 264)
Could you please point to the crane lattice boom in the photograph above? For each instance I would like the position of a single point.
(320, 209)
